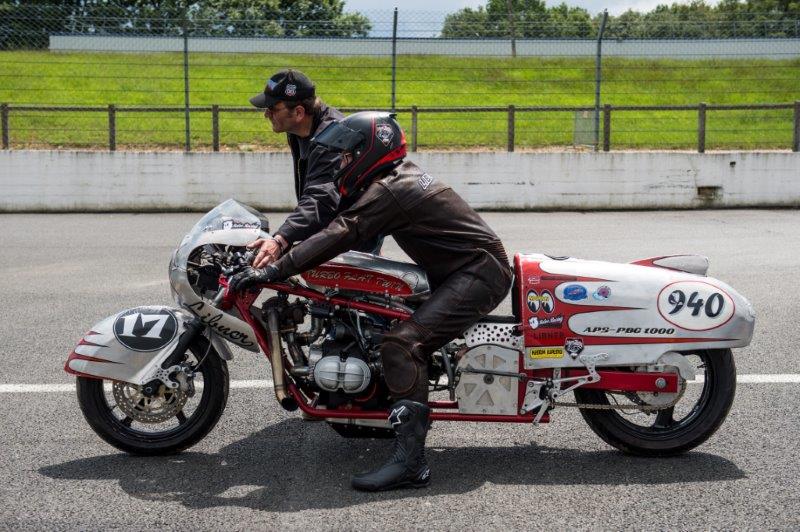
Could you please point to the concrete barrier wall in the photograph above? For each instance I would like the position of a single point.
(147, 181)
(678, 49)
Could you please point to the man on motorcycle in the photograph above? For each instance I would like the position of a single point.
(290, 104)
(465, 261)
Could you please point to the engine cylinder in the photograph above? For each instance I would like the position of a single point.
(351, 375)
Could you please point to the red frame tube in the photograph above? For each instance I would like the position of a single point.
(627, 381)
(610, 380)
(340, 301)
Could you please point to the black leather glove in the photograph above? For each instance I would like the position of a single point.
(252, 276)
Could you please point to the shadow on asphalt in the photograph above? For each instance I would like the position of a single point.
(293, 466)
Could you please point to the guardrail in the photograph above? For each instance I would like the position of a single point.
(702, 110)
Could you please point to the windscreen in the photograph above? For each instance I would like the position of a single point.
(231, 215)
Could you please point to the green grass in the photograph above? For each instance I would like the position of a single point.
(127, 79)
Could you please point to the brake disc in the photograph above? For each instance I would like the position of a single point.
(161, 406)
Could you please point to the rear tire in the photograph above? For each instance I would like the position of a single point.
(176, 434)
(668, 436)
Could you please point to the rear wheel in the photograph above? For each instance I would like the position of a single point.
(672, 430)
(164, 422)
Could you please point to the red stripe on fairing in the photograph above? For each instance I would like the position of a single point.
(617, 340)
(84, 342)
(76, 356)
(651, 262)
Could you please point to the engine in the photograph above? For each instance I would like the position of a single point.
(341, 360)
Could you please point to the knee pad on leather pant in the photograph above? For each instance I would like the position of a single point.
(400, 370)
(405, 367)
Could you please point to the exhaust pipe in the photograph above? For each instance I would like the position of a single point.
(286, 401)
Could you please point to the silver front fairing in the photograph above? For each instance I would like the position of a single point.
(108, 352)
(229, 224)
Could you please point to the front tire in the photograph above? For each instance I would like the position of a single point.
(673, 430)
(160, 433)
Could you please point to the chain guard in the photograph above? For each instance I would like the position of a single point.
(640, 406)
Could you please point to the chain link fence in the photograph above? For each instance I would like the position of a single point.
(103, 77)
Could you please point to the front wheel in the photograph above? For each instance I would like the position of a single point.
(672, 430)
(164, 422)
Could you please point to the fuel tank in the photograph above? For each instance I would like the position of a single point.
(364, 272)
(638, 311)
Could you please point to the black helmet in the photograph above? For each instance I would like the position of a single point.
(374, 141)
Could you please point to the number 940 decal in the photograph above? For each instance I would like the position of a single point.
(695, 305)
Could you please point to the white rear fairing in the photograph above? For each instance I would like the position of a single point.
(634, 313)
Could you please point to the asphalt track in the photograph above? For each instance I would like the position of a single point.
(263, 468)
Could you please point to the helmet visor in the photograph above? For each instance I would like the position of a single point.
(337, 137)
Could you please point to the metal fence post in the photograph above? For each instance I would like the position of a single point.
(606, 127)
(112, 127)
(701, 128)
(394, 61)
(597, 79)
(215, 127)
(188, 145)
(4, 120)
(413, 128)
(796, 143)
(510, 128)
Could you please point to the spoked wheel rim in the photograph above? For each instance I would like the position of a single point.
(693, 399)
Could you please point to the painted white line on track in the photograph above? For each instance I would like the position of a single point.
(767, 378)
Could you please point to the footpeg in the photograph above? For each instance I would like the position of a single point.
(542, 394)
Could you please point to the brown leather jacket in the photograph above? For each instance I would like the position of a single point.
(427, 219)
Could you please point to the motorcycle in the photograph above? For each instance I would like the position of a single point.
(644, 347)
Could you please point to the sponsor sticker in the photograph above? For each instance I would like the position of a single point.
(543, 301)
(228, 224)
(575, 292)
(553, 322)
(145, 328)
(545, 352)
(573, 346)
(534, 279)
(385, 134)
(602, 293)
(542, 336)
(623, 331)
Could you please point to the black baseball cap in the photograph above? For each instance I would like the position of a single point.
(285, 86)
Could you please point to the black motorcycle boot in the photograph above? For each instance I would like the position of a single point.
(407, 467)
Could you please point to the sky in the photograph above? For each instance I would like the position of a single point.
(424, 18)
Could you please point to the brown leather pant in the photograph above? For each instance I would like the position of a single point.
(462, 299)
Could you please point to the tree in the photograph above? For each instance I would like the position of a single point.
(697, 19)
(289, 18)
(532, 19)
(29, 24)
